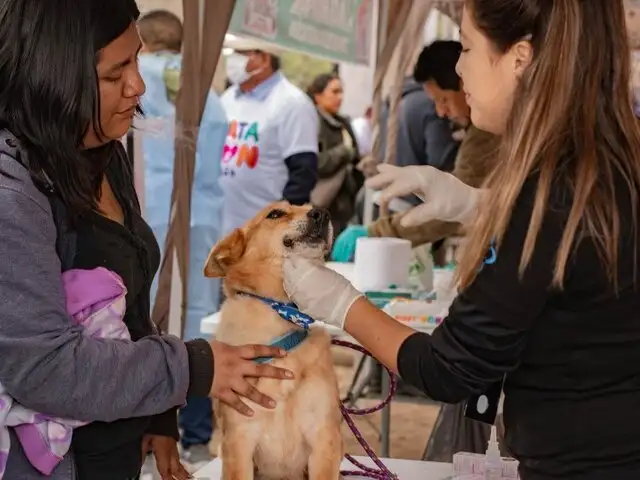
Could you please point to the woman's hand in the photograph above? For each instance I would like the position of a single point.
(165, 451)
(318, 291)
(232, 365)
(445, 197)
(368, 166)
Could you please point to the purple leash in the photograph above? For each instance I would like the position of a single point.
(382, 472)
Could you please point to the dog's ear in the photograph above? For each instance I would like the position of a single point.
(224, 254)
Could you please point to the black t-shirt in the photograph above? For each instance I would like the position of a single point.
(112, 451)
(571, 357)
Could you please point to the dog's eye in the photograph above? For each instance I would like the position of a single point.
(274, 214)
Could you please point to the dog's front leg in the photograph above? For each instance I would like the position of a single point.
(237, 450)
(326, 454)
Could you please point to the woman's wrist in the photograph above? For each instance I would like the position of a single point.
(200, 355)
(165, 424)
(475, 198)
(349, 308)
(376, 331)
(351, 313)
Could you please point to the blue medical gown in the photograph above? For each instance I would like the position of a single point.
(157, 130)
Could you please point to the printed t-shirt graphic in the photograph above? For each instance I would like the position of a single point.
(242, 146)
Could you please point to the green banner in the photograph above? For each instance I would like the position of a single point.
(339, 30)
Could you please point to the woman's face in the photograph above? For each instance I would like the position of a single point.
(489, 77)
(120, 88)
(330, 99)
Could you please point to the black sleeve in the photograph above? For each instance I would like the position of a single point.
(487, 327)
(165, 424)
(200, 367)
(303, 175)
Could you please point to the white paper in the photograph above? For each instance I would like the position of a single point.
(381, 263)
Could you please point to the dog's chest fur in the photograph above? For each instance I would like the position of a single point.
(282, 437)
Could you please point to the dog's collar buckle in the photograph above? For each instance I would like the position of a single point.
(287, 311)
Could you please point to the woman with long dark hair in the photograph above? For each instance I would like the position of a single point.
(548, 282)
(69, 89)
(338, 180)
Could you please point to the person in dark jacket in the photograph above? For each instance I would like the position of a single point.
(435, 72)
(64, 107)
(338, 152)
(424, 138)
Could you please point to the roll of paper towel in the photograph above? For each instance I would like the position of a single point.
(381, 263)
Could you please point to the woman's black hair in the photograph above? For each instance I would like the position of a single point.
(320, 83)
(49, 91)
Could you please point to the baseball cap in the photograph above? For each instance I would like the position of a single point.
(249, 44)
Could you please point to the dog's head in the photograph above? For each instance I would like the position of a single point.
(250, 258)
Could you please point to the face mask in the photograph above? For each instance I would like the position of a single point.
(237, 69)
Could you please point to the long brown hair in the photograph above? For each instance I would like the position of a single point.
(574, 101)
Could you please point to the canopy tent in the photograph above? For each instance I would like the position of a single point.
(399, 24)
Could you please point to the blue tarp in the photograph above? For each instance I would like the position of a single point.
(161, 73)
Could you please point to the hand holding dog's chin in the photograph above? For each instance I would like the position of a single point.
(232, 366)
(318, 291)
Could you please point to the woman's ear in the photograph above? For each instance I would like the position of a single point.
(224, 254)
(523, 56)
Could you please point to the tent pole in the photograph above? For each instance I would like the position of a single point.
(381, 40)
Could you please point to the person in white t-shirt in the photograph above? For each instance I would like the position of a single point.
(271, 151)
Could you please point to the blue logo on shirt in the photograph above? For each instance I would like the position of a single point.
(492, 255)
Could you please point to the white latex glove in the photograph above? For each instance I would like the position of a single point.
(445, 197)
(318, 291)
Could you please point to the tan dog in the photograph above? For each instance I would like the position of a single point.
(301, 436)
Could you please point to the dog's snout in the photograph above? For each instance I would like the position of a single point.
(319, 216)
(318, 223)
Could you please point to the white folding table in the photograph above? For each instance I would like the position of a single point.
(404, 469)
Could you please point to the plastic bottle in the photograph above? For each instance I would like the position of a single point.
(493, 460)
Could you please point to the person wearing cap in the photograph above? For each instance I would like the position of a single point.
(271, 150)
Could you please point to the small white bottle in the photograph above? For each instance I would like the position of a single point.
(492, 459)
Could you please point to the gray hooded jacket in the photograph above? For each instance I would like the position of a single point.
(47, 364)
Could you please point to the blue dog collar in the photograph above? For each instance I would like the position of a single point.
(290, 313)
(287, 342)
(287, 311)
